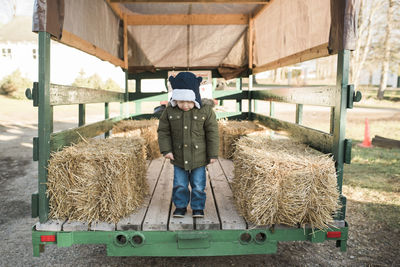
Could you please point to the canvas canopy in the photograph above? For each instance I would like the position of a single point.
(231, 36)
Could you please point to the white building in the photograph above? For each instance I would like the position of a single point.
(19, 50)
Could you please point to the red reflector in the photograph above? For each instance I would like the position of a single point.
(47, 238)
(333, 234)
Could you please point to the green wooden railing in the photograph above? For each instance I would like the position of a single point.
(46, 95)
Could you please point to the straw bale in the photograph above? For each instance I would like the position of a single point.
(231, 131)
(284, 182)
(97, 180)
(147, 129)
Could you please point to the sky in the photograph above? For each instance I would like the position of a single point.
(22, 8)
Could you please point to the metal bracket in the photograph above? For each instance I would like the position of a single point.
(341, 215)
(33, 94)
(35, 149)
(347, 150)
(352, 96)
(35, 205)
(193, 239)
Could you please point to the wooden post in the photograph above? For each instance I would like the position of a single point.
(138, 103)
(340, 114)
(250, 44)
(271, 109)
(45, 128)
(250, 87)
(124, 107)
(82, 114)
(239, 101)
(332, 120)
(106, 116)
(299, 113)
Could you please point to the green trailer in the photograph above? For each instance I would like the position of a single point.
(231, 39)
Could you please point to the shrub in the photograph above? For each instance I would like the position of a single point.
(94, 81)
(14, 84)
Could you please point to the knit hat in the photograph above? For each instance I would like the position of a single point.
(185, 88)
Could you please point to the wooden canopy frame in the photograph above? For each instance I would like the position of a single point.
(129, 18)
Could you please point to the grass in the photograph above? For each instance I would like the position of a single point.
(373, 178)
(374, 168)
(372, 101)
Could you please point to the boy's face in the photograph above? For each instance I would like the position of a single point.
(185, 105)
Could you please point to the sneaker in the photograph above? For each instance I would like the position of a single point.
(198, 214)
(179, 212)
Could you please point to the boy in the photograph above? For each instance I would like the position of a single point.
(188, 136)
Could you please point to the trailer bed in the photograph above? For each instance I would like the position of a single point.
(156, 212)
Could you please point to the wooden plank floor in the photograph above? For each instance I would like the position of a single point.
(156, 212)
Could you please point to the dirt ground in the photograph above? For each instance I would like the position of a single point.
(369, 244)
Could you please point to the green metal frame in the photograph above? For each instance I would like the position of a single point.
(45, 127)
(189, 243)
(180, 243)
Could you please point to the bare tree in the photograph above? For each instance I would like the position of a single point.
(367, 24)
(386, 59)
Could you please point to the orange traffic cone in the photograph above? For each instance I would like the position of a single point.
(367, 139)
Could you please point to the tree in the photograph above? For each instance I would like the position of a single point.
(81, 80)
(367, 26)
(95, 82)
(111, 85)
(386, 59)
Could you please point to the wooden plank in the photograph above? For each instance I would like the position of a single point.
(67, 95)
(102, 226)
(185, 223)
(116, 8)
(312, 53)
(228, 94)
(70, 136)
(75, 226)
(250, 44)
(191, 19)
(230, 218)
(210, 220)
(71, 39)
(314, 138)
(148, 96)
(193, 1)
(125, 19)
(228, 168)
(50, 225)
(135, 220)
(261, 9)
(156, 218)
(385, 142)
(313, 95)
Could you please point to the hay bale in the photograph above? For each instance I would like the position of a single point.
(147, 129)
(100, 180)
(284, 182)
(230, 132)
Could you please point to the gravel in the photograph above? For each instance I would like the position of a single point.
(369, 243)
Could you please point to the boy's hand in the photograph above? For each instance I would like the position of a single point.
(169, 156)
(212, 161)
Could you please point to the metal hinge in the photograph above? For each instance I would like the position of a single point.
(33, 94)
(352, 96)
(347, 151)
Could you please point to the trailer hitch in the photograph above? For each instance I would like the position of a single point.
(352, 96)
(193, 239)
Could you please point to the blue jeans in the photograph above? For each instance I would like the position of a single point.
(181, 194)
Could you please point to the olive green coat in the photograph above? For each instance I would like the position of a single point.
(191, 136)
